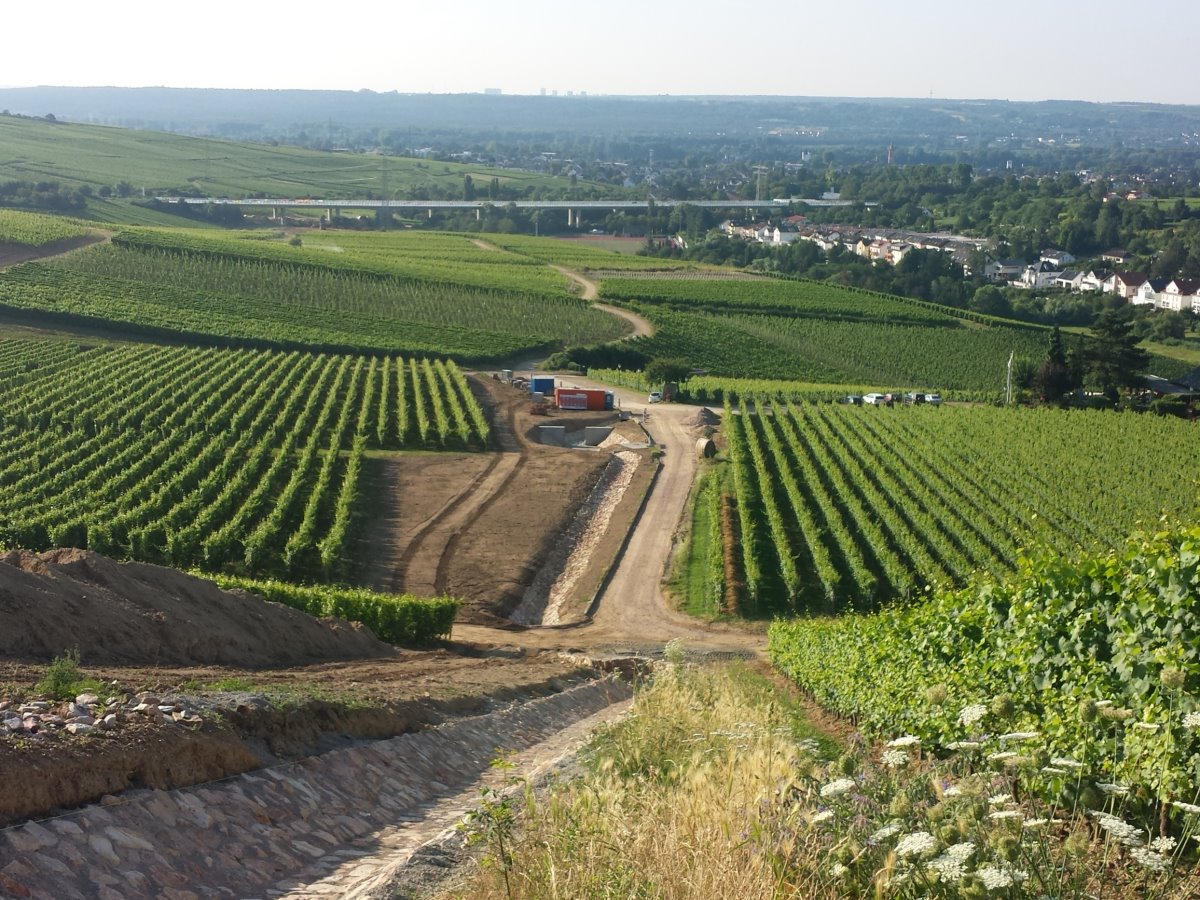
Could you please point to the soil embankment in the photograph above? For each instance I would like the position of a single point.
(139, 614)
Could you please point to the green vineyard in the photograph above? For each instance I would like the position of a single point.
(247, 461)
(255, 293)
(849, 507)
(34, 230)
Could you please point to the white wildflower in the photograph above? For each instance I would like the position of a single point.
(1014, 737)
(823, 816)
(1146, 726)
(960, 852)
(1103, 704)
(884, 833)
(1186, 807)
(952, 791)
(963, 745)
(1035, 823)
(972, 714)
(1115, 790)
(1002, 756)
(894, 759)
(1191, 720)
(1164, 844)
(1064, 763)
(994, 878)
(915, 844)
(837, 870)
(999, 799)
(1119, 829)
(1155, 862)
(1051, 770)
(949, 869)
(904, 741)
(1005, 814)
(837, 788)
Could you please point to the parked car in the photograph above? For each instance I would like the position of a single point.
(874, 399)
(655, 397)
(914, 397)
(852, 399)
(935, 399)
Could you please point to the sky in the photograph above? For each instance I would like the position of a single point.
(1101, 50)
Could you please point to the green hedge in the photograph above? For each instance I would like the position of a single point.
(1051, 642)
(395, 618)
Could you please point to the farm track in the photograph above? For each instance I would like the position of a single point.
(589, 290)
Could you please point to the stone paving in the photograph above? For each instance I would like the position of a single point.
(315, 827)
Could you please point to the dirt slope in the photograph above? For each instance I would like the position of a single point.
(134, 613)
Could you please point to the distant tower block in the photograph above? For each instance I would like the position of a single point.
(890, 149)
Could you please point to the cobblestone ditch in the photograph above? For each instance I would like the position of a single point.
(331, 818)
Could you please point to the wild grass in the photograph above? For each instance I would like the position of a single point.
(708, 790)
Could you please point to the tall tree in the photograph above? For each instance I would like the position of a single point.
(1115, 357)
(1053, 378)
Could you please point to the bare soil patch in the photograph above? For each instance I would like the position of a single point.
(138, 613)
(481, 526)
(12, 254)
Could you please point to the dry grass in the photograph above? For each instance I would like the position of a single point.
(707, 790)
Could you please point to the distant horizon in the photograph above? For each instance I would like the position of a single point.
(588, 95)
(1029, 51)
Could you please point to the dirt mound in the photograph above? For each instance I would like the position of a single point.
(703, 417)
(139, 614)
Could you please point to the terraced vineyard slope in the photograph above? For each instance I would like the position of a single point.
(248, 461)
(435, 295)
(846, 507)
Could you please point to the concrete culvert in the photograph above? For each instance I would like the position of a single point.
(705, 448)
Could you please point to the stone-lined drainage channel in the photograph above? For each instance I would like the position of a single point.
(342, 824)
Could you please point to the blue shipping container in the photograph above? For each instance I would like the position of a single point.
(543, 384)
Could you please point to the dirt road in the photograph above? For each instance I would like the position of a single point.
(588, 290)
(633, 613)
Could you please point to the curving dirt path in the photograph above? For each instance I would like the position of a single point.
(589, 290)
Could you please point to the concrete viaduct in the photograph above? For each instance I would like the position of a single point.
(574, 208)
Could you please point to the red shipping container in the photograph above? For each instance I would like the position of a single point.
(579, 398)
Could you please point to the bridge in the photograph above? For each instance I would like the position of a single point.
(574, 208)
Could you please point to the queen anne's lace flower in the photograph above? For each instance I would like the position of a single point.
(1186, 807)
(1119, 829)
(963, 745)
(906, 740)
(1191, 720)
(915, 844)
(837, 788)
(1014, 737)
(884, 833)
(1155, 862)
(823, 816)
(894, 759)
(1064, 763)
(1164, 844)
(971, 714)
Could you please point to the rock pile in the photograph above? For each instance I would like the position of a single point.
(87, 714)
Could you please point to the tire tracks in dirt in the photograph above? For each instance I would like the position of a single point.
(424, 564)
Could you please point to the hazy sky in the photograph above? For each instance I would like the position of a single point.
(1018, 50)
